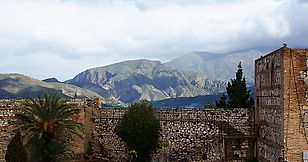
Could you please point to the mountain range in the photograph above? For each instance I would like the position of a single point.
(134, 80)
(193, 74)
(21, 86)
(219, 65)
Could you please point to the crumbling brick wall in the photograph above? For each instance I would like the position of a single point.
(281, 105)
(7, 123)
(294, 90)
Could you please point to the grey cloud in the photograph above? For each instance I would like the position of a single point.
(74, 36)
(302, 1)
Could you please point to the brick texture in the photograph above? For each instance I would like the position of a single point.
(280, 103)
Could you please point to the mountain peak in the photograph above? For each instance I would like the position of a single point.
(51, 80)
(132, 80)
(133, 63)
(218, 65)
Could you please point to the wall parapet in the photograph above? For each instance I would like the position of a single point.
(190, 134)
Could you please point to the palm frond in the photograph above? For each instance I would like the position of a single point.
(47, 119)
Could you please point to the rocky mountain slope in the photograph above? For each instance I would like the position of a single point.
(220, 66)
(133, 80)
(21, 86)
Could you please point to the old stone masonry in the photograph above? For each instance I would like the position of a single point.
(281, 90)
(188, 134)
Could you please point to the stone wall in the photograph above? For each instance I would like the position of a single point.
(281, 104)
(187, 134)
(7, 123)
(269, 114)
(294, 103)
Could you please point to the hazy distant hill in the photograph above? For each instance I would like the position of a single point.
(129, 81)
(220, 66)
(21, 86)
(51, 80)
(187, 102)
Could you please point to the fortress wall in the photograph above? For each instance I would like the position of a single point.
(187, 134)
(281, 88)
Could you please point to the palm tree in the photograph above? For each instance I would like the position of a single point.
(46, 124)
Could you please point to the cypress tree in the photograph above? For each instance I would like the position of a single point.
(222, 102)
(16, 151)
(239, 96)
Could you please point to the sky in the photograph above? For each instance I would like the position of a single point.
(61, 38)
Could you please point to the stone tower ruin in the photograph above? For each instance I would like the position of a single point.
(281, 95)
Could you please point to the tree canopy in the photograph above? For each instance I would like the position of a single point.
(46, 124)
(238, 95)
(139, 129)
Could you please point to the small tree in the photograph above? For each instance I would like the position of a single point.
(139, 129)
(222, 102)
(209, 105)
(238, 95)
(88, 153)
(16, 151)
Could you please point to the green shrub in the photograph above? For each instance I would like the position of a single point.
(139, 129)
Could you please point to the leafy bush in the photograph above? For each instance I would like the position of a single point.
(139, 129)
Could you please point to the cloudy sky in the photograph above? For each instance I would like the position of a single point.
(60, 38)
